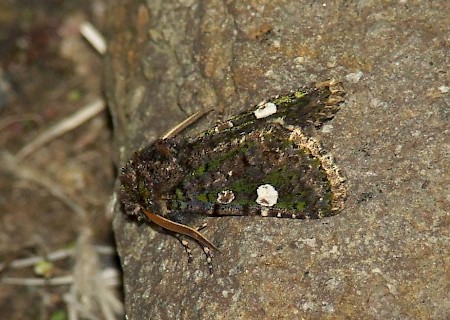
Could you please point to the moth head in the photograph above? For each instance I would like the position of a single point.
(136, 190)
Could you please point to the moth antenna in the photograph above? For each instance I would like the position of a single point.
(179, 228)
(185, 123)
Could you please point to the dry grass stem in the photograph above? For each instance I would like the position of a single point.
(57, 281)
(64, 126)
(11, 164)
(55, 256)
(94, 37)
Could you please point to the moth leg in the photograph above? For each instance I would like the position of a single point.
(206, 250)
(185, 244)
(208, 253)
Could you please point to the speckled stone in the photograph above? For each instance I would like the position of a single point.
(386, 255)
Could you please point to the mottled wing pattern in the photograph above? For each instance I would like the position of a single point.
(261, 162)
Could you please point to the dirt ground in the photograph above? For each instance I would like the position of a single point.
(57, 257)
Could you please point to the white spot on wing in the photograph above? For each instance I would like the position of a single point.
(267, 195)
(267, 109)
(225, 197)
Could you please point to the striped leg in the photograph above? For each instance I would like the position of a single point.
(206, 249)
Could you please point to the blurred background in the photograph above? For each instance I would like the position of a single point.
(57, 257)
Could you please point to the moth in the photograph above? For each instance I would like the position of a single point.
(262, 162)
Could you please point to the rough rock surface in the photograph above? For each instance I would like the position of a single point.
(386, 256)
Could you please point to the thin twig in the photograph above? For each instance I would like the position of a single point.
(10, 163)
(108, 278)
(52, 256)
(64, 126)
(94, 37)
(58, 281)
